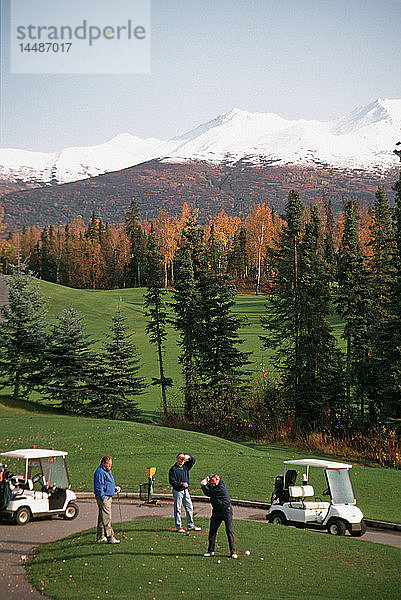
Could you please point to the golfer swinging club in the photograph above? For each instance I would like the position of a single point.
(179, 480)
(215, 488)
(104, 489)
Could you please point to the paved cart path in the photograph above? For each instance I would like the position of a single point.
(16, 542)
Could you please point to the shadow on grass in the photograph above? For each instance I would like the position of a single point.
(26, 405)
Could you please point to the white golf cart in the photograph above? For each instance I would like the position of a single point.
(292, 504)
(44, 489)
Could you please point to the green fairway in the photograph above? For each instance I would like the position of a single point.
(99, 306)
(155, 563)
(135, 446)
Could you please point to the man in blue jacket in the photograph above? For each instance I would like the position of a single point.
(222, 510)
(104, 489)
(179, 480)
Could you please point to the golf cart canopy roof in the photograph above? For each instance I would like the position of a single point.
(33, 453)
(316, 462)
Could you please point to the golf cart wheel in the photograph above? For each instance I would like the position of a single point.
(23, 515)
(336, 527)
(361, 532)
(277, 518)
(72, 511)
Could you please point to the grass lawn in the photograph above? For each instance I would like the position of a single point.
(155, 563)
(99, 306)
(135, 446)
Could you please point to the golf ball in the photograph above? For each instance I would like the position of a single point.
(219, 561)
(247, 552)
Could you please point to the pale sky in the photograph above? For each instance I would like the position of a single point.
(312, 59)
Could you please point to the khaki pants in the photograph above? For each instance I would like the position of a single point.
(104, 528)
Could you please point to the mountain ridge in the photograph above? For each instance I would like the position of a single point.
(362, 139)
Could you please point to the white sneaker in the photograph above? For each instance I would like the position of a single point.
(113, 540)
(234, 555)
(209, 554)
(194, 528)
(102, 539)
(181, 530)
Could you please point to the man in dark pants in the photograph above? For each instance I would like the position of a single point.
(215, 488)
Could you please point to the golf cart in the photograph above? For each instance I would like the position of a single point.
(292, 504)
(44, 489)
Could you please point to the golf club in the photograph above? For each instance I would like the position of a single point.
(121, 518)
(225, 463)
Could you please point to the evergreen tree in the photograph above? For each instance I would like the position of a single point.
(156, 312)
(329, 249)
(354, 306)
(67, 363)
(382, 266)
(191, 261)
(219, 360)
(47, 257)
(22, 333)
(391, 347)
(238, 257)
(297, 323)
(283, 320)
(115, 379)
(137, 244)
(394, 353)
(320, 381)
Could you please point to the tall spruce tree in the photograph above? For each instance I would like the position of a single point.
(383, 269)
(238, 259)
(393, 347)
(114, 379)
(354, 306)
(137, 239)
(282, 322)
(219, 360)
(297, 323)
(68, 361)
(156, 311)
(321, 379)
(190, 262)
(22, 333)
(329, 249)
(208, 329)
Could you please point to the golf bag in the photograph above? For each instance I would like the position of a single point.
(5, 494)
(281, 485)
(277, 494)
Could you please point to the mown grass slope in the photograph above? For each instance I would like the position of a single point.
(249, 469)
(99, 306)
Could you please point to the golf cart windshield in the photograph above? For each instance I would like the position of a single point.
(340, 486)
(53, 469)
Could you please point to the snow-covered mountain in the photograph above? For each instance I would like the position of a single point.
(364, 139)
(72, 164)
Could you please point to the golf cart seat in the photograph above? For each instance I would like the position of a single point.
(298, 493)
(28, 485)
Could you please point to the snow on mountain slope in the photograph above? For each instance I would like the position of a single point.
(72, 164)
(363, 139)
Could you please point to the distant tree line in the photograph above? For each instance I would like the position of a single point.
(98, 255)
